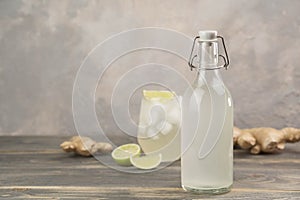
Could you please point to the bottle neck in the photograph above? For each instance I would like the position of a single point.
(208, 54)
(208, 59)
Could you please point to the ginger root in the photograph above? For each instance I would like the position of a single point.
(264, 140)
(85, 146)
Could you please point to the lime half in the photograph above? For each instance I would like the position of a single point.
(158, 94)
(122, 153)
(146, 162)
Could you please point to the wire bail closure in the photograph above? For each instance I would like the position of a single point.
(225, 58)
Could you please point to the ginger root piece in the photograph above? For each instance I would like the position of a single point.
(266, 140)
(85, 146)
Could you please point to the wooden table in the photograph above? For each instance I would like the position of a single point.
(36, 168)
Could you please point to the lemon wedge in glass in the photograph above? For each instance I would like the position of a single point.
(158, 94)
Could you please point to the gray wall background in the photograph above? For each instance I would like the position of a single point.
(42, 44)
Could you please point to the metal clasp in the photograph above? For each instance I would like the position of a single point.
(225, 58)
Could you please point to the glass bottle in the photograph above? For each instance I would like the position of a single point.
(207, 123)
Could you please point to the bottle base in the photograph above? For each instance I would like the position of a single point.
(213, 191)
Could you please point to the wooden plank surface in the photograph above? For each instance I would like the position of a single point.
(35, 168)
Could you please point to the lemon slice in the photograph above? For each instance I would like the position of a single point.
(158, 94)
(122, 153)
(146, 162)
